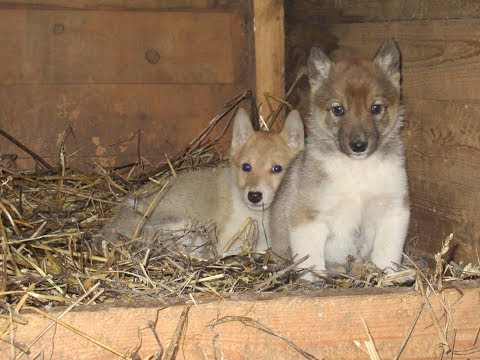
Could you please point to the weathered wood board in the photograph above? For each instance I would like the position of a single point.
(324, 324)
(106, 118)
(110, 73)
(439, 45)
(164, 5)
(356, 11)
(439, 57)
(72, 47)
(443, 149)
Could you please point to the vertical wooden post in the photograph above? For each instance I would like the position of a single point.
(269, 50)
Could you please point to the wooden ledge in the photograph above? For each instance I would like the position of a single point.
(323, 324)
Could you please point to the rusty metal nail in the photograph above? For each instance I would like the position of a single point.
(152, 56)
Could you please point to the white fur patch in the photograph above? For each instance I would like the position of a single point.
(361, 212)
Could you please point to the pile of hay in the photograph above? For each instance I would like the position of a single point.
(50, 257)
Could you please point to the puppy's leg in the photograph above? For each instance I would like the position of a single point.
(309, 239)
(390, 235)
(279, 231)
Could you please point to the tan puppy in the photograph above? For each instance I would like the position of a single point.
(221, 198)
(346, 193)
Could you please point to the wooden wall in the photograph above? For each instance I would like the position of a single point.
(440, 44)
(110, 68)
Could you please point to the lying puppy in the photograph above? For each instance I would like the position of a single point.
(221, 199)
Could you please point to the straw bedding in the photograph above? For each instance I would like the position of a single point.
(51, 256)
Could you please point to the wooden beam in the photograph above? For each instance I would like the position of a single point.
(325, 324)
(269, 50)
(142, 5)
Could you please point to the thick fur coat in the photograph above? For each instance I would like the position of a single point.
(220, 200)
(346, 192)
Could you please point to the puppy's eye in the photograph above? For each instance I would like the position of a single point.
(376, 109)
(338, 111)
(246, 167)
(277, 168)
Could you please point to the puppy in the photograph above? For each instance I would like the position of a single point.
(346, 192)
(225, 201)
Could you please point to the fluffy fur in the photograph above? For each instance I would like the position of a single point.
(221, 198)
(346, 193)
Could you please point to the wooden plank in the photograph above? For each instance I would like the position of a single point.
(269, 50)
(440, 58)
(324, 324)
(164, 5)
(117, 47)
(349, 11)
(443, 153)
(105, 119)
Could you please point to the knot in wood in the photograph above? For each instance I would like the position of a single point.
(152, 56)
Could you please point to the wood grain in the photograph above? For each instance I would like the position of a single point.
(65, 47)
(443, 152)
(164, 5)
(439, 58)
(108, 74)
(324, 324)
(269, 51)
(354, 11)
(105, 119)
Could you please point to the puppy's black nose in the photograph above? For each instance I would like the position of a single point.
(358, 146)
(254, 196)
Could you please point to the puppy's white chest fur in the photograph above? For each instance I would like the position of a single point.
(359, 205)
(352, 183)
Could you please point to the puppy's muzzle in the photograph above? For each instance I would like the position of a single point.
(358, 146)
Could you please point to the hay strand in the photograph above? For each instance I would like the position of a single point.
(172, 348)
(257, 325)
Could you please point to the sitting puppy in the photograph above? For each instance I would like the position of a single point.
(220, 199)
(346, 192)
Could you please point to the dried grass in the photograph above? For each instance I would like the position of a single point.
(50, 256)
(49, 253)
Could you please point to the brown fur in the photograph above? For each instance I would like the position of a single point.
(339, 198)
(354, 84)
(262, 151)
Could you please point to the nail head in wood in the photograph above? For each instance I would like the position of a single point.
(58, 28)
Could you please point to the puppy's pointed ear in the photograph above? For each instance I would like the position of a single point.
(293, 131)
(242, 129)
(319, 66)
(388, 60)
